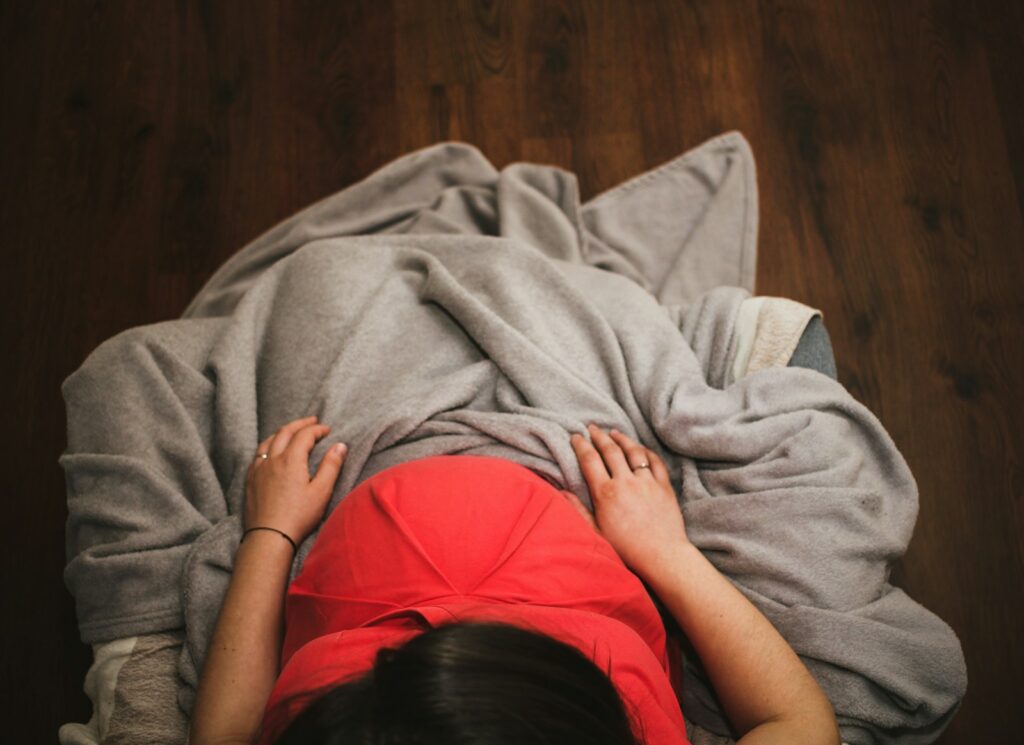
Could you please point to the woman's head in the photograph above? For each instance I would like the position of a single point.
(471, 683)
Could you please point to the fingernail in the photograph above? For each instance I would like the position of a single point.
(339, 448)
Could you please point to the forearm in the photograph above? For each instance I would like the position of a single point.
(243, 658)
(765, 689)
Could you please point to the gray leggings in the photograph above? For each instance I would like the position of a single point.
(814, 350)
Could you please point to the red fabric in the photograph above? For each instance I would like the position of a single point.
(459, 537)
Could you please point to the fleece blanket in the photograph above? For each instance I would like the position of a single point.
(440, 306)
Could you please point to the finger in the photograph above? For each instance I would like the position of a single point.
(591, 464)
(658, 468)
(610, 451)
(329, 469)
(284, 435)
(302, 442)
(263, 447)
(636, 454)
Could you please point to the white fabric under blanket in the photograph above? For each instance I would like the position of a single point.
(440, 306)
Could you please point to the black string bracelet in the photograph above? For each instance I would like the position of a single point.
(295, 549)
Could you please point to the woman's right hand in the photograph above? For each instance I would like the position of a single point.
(635, 511)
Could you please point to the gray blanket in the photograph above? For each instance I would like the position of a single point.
(440, 306)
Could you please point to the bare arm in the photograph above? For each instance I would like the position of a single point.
(242, 661)
(766, 691)
(768, 694)
(244, 655)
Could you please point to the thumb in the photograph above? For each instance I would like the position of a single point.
(330, 467)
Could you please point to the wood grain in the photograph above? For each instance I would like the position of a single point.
(144, 143)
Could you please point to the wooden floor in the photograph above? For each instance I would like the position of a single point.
(143, 143)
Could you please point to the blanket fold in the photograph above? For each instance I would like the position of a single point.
(439, 306)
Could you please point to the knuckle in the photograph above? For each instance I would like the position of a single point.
(611, 449)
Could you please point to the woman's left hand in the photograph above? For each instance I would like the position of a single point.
(279, 493)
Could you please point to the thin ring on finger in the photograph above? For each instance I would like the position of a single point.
(631, 449)
(263, 450)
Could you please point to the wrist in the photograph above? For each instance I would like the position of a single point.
(669, 561)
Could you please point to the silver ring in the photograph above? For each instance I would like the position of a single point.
(264, 456)
(642, 465)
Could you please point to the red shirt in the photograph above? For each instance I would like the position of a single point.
(468, 537)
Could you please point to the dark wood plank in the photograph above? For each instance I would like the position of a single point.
(143, 144)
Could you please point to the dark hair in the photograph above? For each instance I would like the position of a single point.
(471, 683)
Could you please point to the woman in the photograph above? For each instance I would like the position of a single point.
(487, 682)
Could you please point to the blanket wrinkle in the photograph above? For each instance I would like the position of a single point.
(439, 306)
